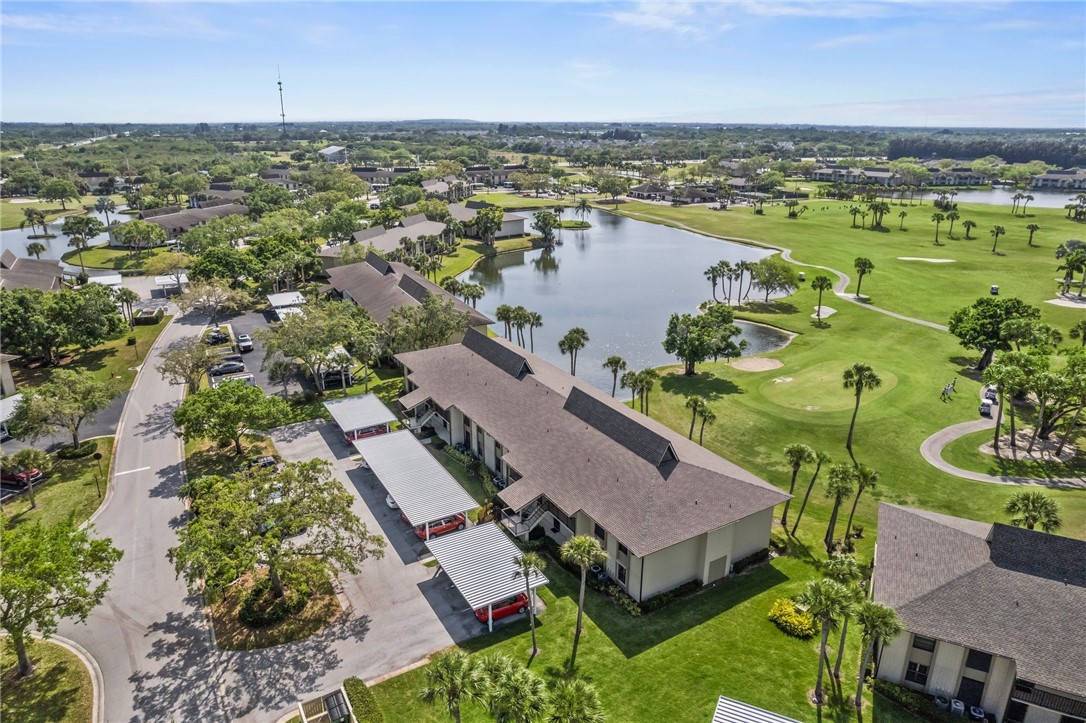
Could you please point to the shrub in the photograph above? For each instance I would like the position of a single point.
(858, 531)
(920, 705)
(363, 701)
(791, 620)
(477, 469)
(750, 561)
(84, 449)
(624, 601)
(685, 590)
(259, 609)
(462, 457)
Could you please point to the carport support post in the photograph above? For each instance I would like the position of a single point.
(427, 531)
(490, 617)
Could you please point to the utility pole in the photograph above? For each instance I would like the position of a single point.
(282, 110)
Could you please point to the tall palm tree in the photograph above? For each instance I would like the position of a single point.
(583, 551)
(451, 678)
(708, 416)
(825, 601)
(617, 365)
(504, 314)
(574, 340)
(575, 701)
(528, 566)
(996, 232)
(711, 275)
(878, 622)
(820, 284)
(647, 379)
(845, 570)
(796, 455)
(1033, 508)
(1025, 201)
(968, 225)
(126, 297)
(863, 266)
(821, 458)
(33, 218)
(902, 215)
(1032, 228)
(36, 249)
(865, 479)
(725, 270)
(535, 321)
(1017, 198)
(952, 217)
(855, 211)
(629, 380)
(694, 403)
(858, 377)
(519, 320)
(583, 208)
(106, 205)
(839, 488)
(938, 218)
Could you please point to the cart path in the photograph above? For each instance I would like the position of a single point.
(843, 279)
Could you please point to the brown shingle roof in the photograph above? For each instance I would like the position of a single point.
(25, 273)
(591, 460)
(995, 588)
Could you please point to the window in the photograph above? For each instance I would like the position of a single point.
(622, 575)
(499, 450)
(1023, 686)
(600, 532)
(622, 549)
(920, 643)
(917, 673)
(978, 661)
(1016, 712)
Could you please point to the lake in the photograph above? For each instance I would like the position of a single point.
(17, 238)
(1004, 196)
(621, 280)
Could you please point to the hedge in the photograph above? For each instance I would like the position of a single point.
(363, 701)
(918, 704)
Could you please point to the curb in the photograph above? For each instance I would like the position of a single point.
(98, 704)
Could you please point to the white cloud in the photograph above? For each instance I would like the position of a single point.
(141, 20)
(671, 16)
(843, 40)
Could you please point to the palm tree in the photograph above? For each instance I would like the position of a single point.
(1031, 509)
(839, 488)
(858, 377)
(968, 225)
(902, 215)
(575, 701)
(535, 320)
(583, 551)
(105, 204)
(938, 218)
(33, 218)
(855, 211)
(820, 284)
(711, 275)
(1025, 201)
(725, 270)
(952, 217)
(878, 622)
(845, 570)
(996, 232)
(529, 565)
(630, 381)
(451, 678)
(646, 380)
(821, 458)
(694, 403)
(825, 601)
(797, 455)
(865, 478)
(519, 319)
(36, 249)
(504, 314)
(708, 416)
(1017, 199)
(583, 208)
(126, 297)
(616, 364)
(574, 340)
(525, 697)
(1032, 228)
(863, 267)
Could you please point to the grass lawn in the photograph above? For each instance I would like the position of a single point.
(232, 634)
(114, 359)
(204, 457)
(11, 214)
(924, 290)
(963, 452)
(59, 690)
(386, 383)
(514, 201)
(664, 666)
(469, 251)
(69, 489)
(118, 259)
(575, 225)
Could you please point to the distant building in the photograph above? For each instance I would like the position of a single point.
(385, 240)
(513, 224)
(649, 191)
(176, 221)
(26, 273)
(494, 176)
(333, 154)
(449, 188)
(1072, 179)
(875, 176)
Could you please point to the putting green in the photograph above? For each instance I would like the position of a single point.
(820, 388)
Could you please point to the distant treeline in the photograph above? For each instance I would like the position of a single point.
(1057, 153)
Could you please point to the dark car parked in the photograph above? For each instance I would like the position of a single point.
(230, 367)
(217, 336)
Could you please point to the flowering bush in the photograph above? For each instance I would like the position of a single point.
(791, 620)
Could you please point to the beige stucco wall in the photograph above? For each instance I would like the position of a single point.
(894, 657)
(672, 566)
(1036, 714)
(751, 534)
(998, 686)
(456, 426)
(946, 669)
(7, 382)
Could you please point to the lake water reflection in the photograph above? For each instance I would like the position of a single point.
(621, 280)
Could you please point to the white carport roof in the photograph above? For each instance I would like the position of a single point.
(287, 298)
(171, 280)
(7, 406)
(108, 280)
(424, 491)
(352, 413)
(734, 711)
(479, 561)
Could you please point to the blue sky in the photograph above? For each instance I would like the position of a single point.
(880, 63)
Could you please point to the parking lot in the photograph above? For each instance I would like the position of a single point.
(249, 323)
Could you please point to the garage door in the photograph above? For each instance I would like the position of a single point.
(718, 568)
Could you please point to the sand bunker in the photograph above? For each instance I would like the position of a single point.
(1069, 302)
(826, 311)
(756, 364)
(921, 258)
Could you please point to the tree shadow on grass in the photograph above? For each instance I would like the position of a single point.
(966, 367)
(770, 307)
(45, 695)
(704, 383)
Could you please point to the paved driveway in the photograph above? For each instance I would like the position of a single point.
(249, 323)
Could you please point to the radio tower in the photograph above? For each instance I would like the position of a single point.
(282, 111)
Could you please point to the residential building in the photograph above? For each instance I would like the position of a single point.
(993, 614)
(9, 398)
(176, 221)
(513, 224)
(417, 228)
(1071, 179)
(379, 287)
(957, 176)
(333, 154)
(494, 176)
(380, 178)
(280, 177)
(449, 188)
(25, 273)
(666, 510)
(649, 191)
(689, 194)
(875, 176)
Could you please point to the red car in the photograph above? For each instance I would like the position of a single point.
(439, 527)
(19, 477)
(504, 608)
